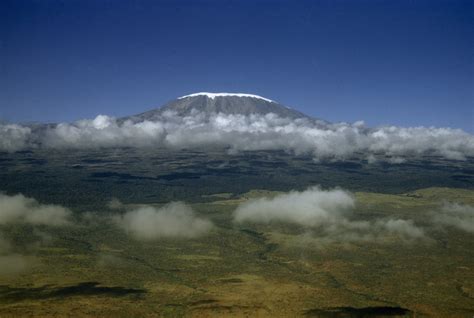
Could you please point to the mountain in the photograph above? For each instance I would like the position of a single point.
(226, 103)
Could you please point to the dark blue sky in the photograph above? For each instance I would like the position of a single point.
(386, 62)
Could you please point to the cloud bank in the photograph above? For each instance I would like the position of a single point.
(240, 133)
(174, 220)
(20, 209)
(327, 214)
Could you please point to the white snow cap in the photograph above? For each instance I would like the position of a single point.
(214, 95)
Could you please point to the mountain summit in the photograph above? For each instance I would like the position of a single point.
(226, 103)
(214, 95)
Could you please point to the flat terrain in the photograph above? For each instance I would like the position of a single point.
(93, 268)
(73, 177)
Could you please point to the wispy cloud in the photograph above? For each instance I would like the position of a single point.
(20, 209)
(460, 216)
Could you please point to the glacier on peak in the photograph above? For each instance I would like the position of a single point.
(214, 95)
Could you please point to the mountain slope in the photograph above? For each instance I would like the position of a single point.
(226, 103)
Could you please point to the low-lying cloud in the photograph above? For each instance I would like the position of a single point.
(309, 208)
(20, 209)
(328, 215)
(240, 133)
(376, 231)
(13, 137)
(460, 216)
(174, 220)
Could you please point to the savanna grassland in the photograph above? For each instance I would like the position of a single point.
(359, 265)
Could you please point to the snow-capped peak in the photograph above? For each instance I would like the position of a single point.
(214, 95)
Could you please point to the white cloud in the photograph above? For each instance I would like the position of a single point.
(13, 137)
(104, 131)
(404, 229)
(457, 215)
(254, 132)
(328, 215)
(174, 220)
(308, 208)
(20, 209)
